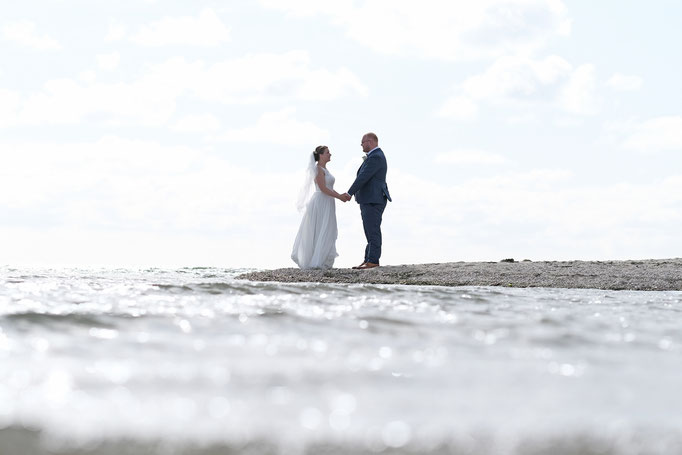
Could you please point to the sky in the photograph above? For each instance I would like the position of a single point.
(165, 133)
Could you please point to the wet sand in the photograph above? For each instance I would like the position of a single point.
(643, 275)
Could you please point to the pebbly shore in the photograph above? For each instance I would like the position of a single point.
(642, 275)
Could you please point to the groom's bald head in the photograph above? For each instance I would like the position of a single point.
(369, 142)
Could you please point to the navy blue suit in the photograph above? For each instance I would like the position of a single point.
(371, 192)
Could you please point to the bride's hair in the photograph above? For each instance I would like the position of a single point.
(319, 150)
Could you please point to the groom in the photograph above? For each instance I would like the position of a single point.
(371, 193)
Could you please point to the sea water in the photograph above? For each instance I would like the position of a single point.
(196, 361)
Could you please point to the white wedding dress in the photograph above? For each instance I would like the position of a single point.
(315, 244)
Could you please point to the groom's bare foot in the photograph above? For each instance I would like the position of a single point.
(368, 265)
(359, 266)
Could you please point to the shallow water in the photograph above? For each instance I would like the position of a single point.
(195, 361)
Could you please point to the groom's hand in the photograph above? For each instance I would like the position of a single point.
(346, 197)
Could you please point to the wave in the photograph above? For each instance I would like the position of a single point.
(29, 318)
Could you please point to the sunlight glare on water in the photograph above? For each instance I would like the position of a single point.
(192, 358)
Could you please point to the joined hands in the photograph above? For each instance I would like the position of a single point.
(345, 197)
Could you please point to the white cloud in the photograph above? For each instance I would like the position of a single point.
(259, 77)
(116, 32)
(88, 76)
(65, 101)
(108, 62)
(151, 98)
(527, 118)
(517, 81)
(539, 214)
(205, 30)
(657, 134)
(9, 105)
(578, 95)
(25, 34)
(469, 157)
(280, 128)
(441, 29)
(568, 121)
(624, 83)
(459, 108)
(514, 77)
(197, 124)
(122, 183)
(132, 202)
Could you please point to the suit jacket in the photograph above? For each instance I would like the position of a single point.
(370, 184)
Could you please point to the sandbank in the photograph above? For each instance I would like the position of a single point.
(641, 275)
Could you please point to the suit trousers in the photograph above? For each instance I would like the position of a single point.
(371, 222)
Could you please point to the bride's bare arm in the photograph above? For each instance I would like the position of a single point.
(319, 179)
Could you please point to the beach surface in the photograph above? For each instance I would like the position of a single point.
(641, 275)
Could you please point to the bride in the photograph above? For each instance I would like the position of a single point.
(315, 244)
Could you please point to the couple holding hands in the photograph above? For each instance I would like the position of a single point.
(315, 244)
